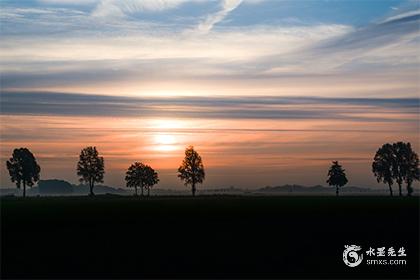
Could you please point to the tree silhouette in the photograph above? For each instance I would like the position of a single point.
(134, 176)
(396, 162)
(399, 168)
(409, 166)
(141, 175)
(23, 168)
(151, 178)
(90, 167)
(383, 165)
(191, 170)
(336, 176)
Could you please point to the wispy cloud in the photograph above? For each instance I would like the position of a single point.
(113, 8)
(263, 107)
(410, 15)
(227, 6)
(68, 2)
(49, 47)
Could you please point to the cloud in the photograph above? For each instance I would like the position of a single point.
(384, 46)
(239, 107)
(227, 7)
(68, 2)
(51, 48)
(118, 8)
(407, 15)
(30, 62)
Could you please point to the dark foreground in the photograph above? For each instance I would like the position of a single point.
(221, 236)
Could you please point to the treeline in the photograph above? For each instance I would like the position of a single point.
(25, 171)
(392, 163)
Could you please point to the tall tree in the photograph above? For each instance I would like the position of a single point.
(90, 167)
(23, 168)
(399, 167)
(410, 166)
(134, 177)
(191, 170)
(151, 178)
(141, 176)
(383, 164)
(336, 176)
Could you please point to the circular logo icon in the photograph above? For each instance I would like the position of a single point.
(351, 255)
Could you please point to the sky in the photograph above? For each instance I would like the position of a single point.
(269, 92)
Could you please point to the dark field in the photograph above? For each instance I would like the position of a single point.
(220, 236)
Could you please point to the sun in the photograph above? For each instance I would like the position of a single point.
(164, 142)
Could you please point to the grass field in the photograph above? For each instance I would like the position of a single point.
(212, 236)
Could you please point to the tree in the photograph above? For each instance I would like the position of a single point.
(134, 175)
(396, 162)
(151, 178)
(383, 164)
(399, 167)
(191, 170)
(90, 167)
(141, 176)
(23, 168)
(336, 176)
(410, 166)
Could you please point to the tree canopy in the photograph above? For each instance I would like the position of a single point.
(191, 170)
(382, 166)
(336, 176)
(23, 168)
(398, 163)
(407, 169)
(141, 176)
(90, 167)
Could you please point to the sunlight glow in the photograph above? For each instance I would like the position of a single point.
(166, 124)
(164, 139)
(164, 143)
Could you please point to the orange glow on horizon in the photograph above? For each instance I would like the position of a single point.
(243, 152)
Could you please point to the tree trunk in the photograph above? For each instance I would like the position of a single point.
(91, 189)
(336, 190)
(135, 187)
(390, 189)
(399, 187)
(409, 189)
(193, 189)
(148, 191)
(141, 190)
(24, 189)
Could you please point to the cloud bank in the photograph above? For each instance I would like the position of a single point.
(263, 107)
(50, 47)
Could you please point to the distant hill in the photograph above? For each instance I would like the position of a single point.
(312, 189)
(99, 189)
(60, 187)
(54, 186)
(230, 190)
